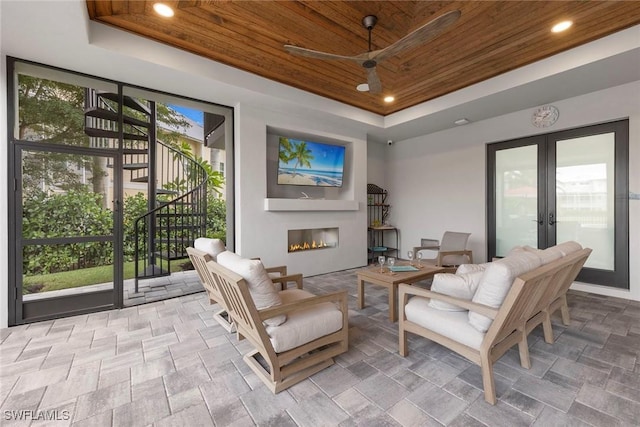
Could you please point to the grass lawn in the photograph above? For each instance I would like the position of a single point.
(84, 277)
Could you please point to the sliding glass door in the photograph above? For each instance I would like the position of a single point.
(570, 185)
(108, 185)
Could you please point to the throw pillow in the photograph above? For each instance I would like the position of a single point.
(260, 286)
(461, 286)
(496, 282)
(213, 247)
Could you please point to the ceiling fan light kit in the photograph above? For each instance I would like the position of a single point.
(369, 60)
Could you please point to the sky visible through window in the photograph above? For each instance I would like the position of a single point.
(195, 115)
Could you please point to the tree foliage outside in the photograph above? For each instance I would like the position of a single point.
(50, 111)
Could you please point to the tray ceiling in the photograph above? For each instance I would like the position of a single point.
(489, 38)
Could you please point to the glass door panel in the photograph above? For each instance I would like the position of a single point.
(67, 243)
(585, 196)
(516, 198)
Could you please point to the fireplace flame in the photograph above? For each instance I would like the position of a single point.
(305, 246)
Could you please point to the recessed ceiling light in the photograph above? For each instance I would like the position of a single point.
(362, 87)
(561, 26)
(163, 10)
(461, 122)
(389, 98)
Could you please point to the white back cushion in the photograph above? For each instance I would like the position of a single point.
(548, 255)
(568, 247)
(213, 247)
(472, 268)
(260, 286)
(496, 282)
(461, 286)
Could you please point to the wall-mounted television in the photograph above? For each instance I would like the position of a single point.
(310, 163)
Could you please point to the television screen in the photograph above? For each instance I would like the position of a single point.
(310, 163)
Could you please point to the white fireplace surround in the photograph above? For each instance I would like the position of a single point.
(265, 213)
(309, 205)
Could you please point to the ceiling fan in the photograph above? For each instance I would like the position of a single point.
(370, 59)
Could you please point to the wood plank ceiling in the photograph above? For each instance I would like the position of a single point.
(490, 38)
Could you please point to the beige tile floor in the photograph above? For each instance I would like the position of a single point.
(167, 363)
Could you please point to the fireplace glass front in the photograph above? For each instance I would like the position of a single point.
(312, 238)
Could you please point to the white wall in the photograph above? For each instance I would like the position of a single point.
(437, 182)
(264, 233)
(377, 164)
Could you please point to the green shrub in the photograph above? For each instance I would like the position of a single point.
(134, 207)
(216, 217)
(77, 213)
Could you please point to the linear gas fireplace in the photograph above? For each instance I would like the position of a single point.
(312, 238)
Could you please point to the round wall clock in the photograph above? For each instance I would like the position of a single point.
(545, 116)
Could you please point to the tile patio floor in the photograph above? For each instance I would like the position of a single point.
(168, 363)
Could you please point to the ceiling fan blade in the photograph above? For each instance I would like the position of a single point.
(375, 86)
(301, 51)
(419, 36)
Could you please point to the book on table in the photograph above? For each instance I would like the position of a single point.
(398, 268)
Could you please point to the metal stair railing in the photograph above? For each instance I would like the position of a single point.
(177, 222)
(180, 188)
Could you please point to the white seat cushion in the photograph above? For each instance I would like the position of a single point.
(213, 247)
(260, 286)
(456, 285)
(304, 325)
(452, 324)
(496, 282)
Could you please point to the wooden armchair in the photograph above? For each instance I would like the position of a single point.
(450, 253)
(199, 260)
(525, 303)
(316, 330)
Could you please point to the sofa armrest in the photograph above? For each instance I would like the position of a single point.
(285, 280)
(405, 290)
(339, 297)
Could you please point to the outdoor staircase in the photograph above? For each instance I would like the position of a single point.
(176, 184)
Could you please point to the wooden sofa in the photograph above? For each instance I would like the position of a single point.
(528, 301)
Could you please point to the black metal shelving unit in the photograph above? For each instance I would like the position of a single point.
(380, 234)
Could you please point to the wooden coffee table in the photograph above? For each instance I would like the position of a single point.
(391, 282)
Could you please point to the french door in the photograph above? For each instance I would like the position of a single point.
(568, 185)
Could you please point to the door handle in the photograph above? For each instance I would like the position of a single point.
(540, 220)
(552, 220)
